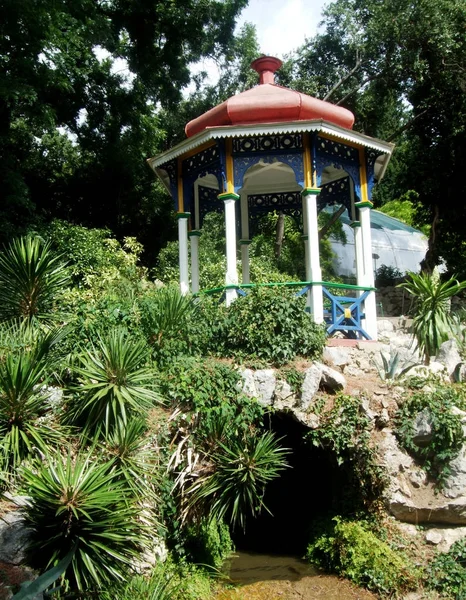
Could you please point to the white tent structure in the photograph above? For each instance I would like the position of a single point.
(394, 244)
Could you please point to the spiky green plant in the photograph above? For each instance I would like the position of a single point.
(74, 500)
(241, 470)
(22, 401)
(433, 321)
(31, 276)
(164, 315)
(128, 445)
(114, 382)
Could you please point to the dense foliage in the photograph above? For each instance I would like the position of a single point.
(438, 408)
(354, 551)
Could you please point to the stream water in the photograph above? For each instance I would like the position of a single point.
(273, 577)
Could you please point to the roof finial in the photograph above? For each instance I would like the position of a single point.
(266, 67)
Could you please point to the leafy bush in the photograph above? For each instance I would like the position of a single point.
(168, 581)
(208, 542)
(387, 275)
(209, 392)
(345, 431)
(114, 382)
(31, 276)
(76, 500)
(447, 572)
(271, 323)
(447, 432)
(355, 552)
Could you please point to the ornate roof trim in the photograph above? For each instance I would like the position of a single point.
(320, 126)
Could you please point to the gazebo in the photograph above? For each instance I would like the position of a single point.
(271, 148)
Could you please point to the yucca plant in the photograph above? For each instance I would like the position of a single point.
(127, 444)
(75, 501)
(22, 402)
(31, 276)
(164, 315)
(433, 321)
(162, 585)
(114, 383)
(235, 485)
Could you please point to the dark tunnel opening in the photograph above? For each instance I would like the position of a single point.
(314, 488)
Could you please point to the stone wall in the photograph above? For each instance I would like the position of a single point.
(393, 301)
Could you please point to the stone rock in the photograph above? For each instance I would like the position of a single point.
(455, 484)
(352, 371)
(434, 537)
(332, 380)
(365, 405)
(249, 386)
(392, 457)
(383, 420)
(426, 372)
(418, 478)
(264, 381)
(14, 538)
(284, 396)
(449, 356)
(406, 509)
(337, 356)
(450, 536)
(310, 385)
(308, 419)
(385, 326)
(423, 428)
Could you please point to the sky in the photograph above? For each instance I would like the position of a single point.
(281, 25)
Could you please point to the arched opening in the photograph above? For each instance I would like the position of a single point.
(313, 489)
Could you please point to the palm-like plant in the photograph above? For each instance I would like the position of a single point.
(115, 382)
(22, 400)
(235, 485)
(433, 321)
(128, 445)
(31, 275)
(79, 502)
(164, 315)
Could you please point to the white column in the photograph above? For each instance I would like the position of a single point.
(315, 273)
(183, 251)
(245, 241)
(356, 225)
(370, 307)
(194, 240)
(231, 275)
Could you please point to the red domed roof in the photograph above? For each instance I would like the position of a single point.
(269, 103)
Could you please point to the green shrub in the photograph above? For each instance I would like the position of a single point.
(74, 499)
(447, 572)
(447, 432)
(208, 543)
(345, 431)
(355, 552)
(271, 323)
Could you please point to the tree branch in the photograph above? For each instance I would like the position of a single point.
(345, 78)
